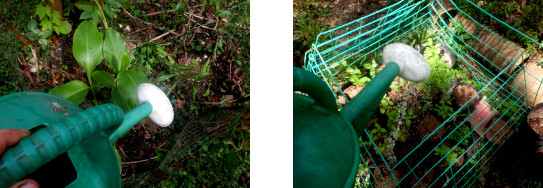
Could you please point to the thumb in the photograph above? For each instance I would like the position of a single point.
(10, 137)
(27, 183)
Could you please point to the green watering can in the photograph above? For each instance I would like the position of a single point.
(69, 146)
(326, 149)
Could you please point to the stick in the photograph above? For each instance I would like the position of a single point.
(157, 13)
(24, 40)
(160, 36)
(133, 162)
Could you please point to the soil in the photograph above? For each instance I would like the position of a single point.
(427, 125)
(535, 119)
(498, 132)
(463, 93)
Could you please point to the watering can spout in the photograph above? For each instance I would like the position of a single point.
(360, 110)
(153, 103)
(400, 59)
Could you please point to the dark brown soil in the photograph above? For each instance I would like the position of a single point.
(498, 131)
(463, 93)
(427, 125)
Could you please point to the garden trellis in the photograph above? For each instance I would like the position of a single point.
(484, 48)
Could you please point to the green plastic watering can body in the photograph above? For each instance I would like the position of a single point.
(69, 146)
(326, 148)
(91, 162)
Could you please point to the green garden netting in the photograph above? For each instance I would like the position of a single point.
(458, 150)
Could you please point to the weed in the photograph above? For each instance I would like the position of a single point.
(52, 21)
(451, 154)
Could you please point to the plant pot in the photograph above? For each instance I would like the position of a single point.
(481, 114)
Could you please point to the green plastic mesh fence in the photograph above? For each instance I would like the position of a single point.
(445, 131)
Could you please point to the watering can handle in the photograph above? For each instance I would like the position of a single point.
(44, 145)
(311, 84)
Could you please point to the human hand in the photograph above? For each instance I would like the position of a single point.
(8, 138)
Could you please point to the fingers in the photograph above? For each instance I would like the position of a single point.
(10, 137)
(27, 183)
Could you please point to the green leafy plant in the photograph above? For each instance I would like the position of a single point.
(89, 49)
(357, 77)
(52, 21)
(214, 162)
(460, 135)
(106, 10)
(42, 36)
(444, 109)
(379, 136)
(450, 156)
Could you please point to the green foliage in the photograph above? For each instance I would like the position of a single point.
(357, 77)
(461, 133)
(439, 79)
(74, 91)
(451, 155)
(127, 83)
(51, 21)
(95, 11)
(216, 162)
(87, 46)
(89, 53)
(444, 109)
(115, 51)
(379, 136)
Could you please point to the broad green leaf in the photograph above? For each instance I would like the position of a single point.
(128, 82)
(119, 99)
(74, 91)
(104, 78)
(115, 50)
(87, 46)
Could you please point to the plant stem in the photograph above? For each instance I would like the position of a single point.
(92, 88)
(101, 13)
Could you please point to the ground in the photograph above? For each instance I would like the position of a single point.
(196, 52)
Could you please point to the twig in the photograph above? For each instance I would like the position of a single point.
(147, 23)
(223, 101)
(24, 40)
(160, 36)
(160, 12)
(133, 162)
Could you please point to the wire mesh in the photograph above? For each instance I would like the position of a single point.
(504, 73)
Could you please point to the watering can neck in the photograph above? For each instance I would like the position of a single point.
(362, 107)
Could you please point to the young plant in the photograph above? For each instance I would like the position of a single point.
(452, 156)
(459, 134)
(378, 133)
(51, 20)
(89, 49)
(444, 109)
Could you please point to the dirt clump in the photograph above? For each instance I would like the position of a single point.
(427, 125)
(463, 93)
